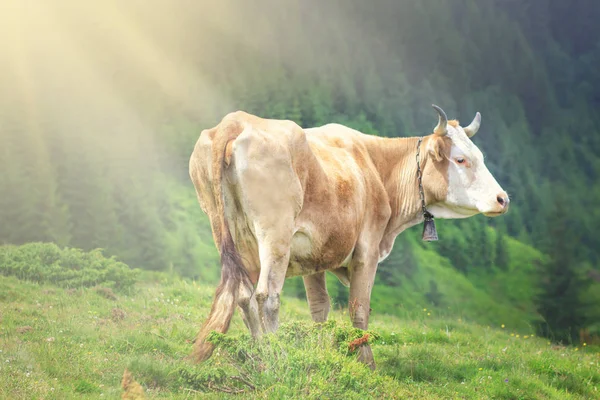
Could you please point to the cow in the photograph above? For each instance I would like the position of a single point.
(285, 201)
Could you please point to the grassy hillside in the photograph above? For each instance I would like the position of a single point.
(58, 343)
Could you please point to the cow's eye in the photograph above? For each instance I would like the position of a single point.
(460, 160)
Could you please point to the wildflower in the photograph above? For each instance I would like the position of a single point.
(502, 326)
(585, 344)
(512, 334)
(481, 369)
(576, 348)
(517, 335)
(548, 342)
(424, 309)
(506, 380)
(428, 313)
(525, 337)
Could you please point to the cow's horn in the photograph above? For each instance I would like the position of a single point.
(442, 127)
(473, 127)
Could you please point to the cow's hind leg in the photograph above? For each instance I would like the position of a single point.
(317, 296)
(274, 259)
(271, 196)
(249, 308)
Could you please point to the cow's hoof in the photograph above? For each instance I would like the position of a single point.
(365, 356)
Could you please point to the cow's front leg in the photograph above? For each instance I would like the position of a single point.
(274, 260)
(317, 296)
(361, 284)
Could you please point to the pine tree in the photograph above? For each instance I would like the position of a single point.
(562, 280)
(480, 247)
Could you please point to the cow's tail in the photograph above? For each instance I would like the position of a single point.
(232, 269)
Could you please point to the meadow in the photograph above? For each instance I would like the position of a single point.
(75, 343)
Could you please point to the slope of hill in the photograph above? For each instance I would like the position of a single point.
(60, 343)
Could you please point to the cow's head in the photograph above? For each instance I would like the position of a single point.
(457, 183)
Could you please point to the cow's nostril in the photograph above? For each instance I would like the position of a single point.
(502, 200)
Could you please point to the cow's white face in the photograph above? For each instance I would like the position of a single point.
(471, 188)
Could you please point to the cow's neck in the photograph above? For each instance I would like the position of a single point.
(395, 160)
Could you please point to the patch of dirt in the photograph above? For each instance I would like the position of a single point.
(107, 293)
(24, 329)
(145, 318)
(117, 314)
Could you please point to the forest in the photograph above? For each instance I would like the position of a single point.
(101, 105)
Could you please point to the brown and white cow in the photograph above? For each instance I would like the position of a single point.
(285, 201)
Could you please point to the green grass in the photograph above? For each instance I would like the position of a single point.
(59, 343)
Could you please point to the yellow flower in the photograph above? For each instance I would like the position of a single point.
(428, 313)
(424, 309)
(480, 369)
(548, 342)
(585, 344)
(517, 335)
(576, 348)
(502, 326)
(525, 337)
(512, 334)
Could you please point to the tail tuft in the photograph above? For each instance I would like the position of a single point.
(221, 312)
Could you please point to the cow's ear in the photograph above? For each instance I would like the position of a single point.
(439, 147)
